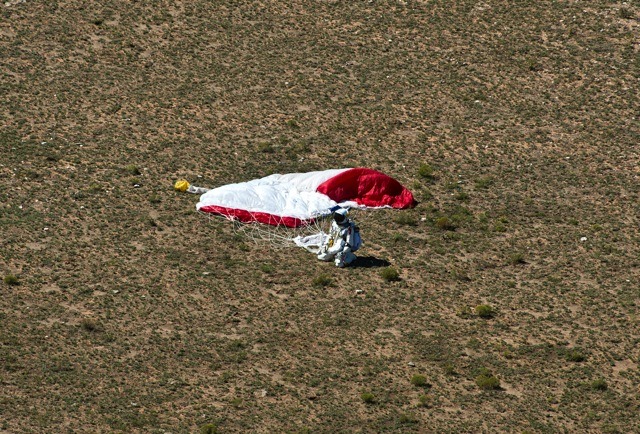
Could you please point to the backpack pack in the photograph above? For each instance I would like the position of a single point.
(356, 238)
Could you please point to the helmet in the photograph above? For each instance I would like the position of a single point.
(340, 216)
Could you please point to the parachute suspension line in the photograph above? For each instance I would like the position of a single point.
(280, 236)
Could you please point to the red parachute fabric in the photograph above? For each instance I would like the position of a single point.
(367, 187)
(260, 217)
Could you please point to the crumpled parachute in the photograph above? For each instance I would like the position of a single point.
(295, 199)
(299, 200)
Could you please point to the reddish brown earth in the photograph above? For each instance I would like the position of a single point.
(515, 124)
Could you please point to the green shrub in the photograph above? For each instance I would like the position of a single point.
(485, 311)
(575, 356)
(420, 381)
(484, 182)
(625, 13)
(322, 281)
(368, 397)
(397, 238)
(462, 196)
(95, 188)
(599, 384)
(89, 324)
(265, 148)
(534, 65)
(445, 224)
(486, 380)
(407, 418)
(449, 369)
(405, 219)
(267, 268)
(499, 227)
(488, 383)
(517, 258)
(210, 428)
(426, 401)
(426, 171)
(132, 169)
(390, 274)
(12, 280)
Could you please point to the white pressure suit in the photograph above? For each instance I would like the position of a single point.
(340, 241)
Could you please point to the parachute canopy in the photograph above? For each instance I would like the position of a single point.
(295, 199)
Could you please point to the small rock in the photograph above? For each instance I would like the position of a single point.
(413, 365)
(583, 239)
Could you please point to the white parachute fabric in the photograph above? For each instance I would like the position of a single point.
(289, 199)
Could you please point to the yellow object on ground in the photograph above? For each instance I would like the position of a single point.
(181, 185)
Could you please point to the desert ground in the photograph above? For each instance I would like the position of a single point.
(507, 300)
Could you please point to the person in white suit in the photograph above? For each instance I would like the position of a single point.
(343, 240)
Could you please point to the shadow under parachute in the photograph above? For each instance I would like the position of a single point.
(369, 262)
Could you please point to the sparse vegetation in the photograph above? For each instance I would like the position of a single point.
(465, 312)
(512, 123)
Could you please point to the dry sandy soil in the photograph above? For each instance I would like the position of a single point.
(515, 124)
